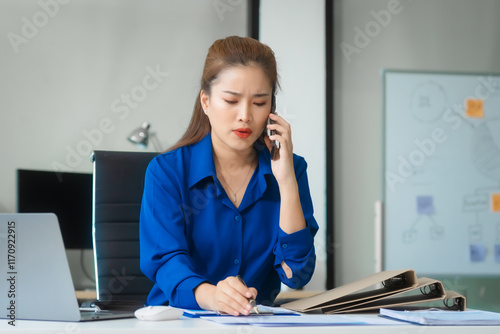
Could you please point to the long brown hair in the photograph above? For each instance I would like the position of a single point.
(224, 53)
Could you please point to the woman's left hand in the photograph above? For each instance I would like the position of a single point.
(282, 162)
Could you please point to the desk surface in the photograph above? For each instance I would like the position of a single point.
(186, 325)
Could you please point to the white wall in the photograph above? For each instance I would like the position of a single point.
(439, 35)
(295, 30)
(67, 65)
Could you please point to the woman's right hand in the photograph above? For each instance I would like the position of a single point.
(229, 296)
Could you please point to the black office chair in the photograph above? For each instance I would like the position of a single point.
(117, 194)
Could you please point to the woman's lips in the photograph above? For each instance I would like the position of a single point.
(243, 132)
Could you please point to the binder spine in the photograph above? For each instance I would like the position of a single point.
(454, 301)
(395, 282)
(432, 290)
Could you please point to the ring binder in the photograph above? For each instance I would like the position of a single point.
(431, 290)
(401, 289)
(395, 282)
(458, 302)
(361, 291)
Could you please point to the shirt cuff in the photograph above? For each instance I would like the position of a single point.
(295, 245)
(184, 293)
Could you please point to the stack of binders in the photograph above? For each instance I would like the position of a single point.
(395, 289)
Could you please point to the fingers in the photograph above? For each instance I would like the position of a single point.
(280, 125)
(232, 297)
(253, 292)
(269, 146)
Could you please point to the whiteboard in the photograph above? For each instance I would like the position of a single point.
(442, 172)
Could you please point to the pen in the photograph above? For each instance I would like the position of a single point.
(250, 300)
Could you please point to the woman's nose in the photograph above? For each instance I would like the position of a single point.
(244, 113)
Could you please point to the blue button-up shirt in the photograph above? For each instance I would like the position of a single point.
(190, 231)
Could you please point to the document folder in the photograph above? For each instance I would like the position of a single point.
(426, 290)
(366, 290)
(395, 289)
(452, 301)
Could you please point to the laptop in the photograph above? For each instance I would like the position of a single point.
(36, 282)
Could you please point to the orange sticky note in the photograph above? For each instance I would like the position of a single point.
(474, 108)
(495, 202)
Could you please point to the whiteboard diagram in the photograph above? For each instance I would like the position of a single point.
(442, 172)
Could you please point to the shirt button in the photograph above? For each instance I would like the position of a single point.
(284, 246)
(236, 261)
(237, 218)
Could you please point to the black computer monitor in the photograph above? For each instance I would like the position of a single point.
(68, 195)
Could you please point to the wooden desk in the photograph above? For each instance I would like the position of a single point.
(86, 294)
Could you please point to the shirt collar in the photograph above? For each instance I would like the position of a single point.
(202, 160)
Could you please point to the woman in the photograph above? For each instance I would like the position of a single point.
(216, 205)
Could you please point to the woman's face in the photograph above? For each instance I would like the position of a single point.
(238, 106)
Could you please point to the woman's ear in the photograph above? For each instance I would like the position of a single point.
(204, 99)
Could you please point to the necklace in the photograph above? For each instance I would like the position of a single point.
(241, 186)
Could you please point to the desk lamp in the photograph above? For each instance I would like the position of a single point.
(141, 136)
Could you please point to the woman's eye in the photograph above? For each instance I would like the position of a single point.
(261, 104)
(231, 101)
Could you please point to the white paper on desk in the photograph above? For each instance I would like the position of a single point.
(303, 320)
(445, 318)
(262, 308)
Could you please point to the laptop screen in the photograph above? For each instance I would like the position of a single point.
(38, 272)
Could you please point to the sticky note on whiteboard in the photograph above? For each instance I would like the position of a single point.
(495, 202)
(425, 205)
(497, 253)
(477, 253)
(474, 108)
